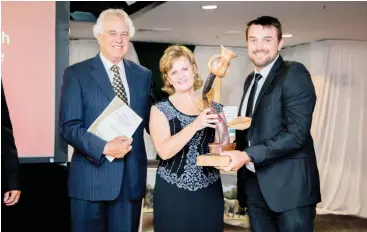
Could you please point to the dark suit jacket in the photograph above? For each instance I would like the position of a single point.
(86, 92)
(9, 155)
(281, 144)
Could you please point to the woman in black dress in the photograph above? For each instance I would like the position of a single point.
(187, 197)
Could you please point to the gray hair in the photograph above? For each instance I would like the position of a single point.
(98, 27)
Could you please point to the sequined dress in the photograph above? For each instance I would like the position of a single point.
(187, 197)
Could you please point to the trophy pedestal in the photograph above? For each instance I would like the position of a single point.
(213, 159)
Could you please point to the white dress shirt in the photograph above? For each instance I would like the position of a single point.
(108, 65)
(264, 73)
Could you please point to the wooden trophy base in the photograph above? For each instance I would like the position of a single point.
(213, 159)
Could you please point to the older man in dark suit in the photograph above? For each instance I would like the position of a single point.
(105, 196)
(278, 178)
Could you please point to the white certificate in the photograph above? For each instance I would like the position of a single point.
(116, 120)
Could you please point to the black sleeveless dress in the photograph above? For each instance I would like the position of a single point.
(187, 197)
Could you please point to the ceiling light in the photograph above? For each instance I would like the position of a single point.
(209, 7)
(287, 35)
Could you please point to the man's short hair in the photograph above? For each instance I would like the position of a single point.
(266, 21)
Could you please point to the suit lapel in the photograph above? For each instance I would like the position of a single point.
(269, 79)
(245, 89)
(101, 77)
(132, 82)
(241, 134)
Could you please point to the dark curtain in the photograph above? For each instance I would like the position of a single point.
(149, 55)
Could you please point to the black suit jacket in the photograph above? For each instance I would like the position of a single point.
(9, 154)
(281, 144)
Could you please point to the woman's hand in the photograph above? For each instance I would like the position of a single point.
(205, 119)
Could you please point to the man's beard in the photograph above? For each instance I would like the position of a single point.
(262, 64)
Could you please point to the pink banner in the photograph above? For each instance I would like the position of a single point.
(28, 74)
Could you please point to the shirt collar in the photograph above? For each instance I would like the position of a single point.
(265, 71)
(108, 65)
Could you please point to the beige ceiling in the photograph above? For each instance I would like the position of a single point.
(306, 21)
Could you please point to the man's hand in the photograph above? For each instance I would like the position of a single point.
(118, 147)
(238, 159)
(11, 197)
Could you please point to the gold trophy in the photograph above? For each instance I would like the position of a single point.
(218, 67)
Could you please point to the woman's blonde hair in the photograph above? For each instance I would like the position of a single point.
(171, 54)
